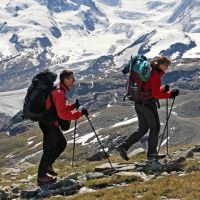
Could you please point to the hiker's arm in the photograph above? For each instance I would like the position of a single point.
(157, 90)
(70, 106)
(63, 110)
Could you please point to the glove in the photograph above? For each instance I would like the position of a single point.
(84, 111)
(77, 104)
(123, 71)
(174, 93)
(166, 88)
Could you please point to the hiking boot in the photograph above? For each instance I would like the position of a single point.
(122, 151)
(154, 165)
(155, 156)
(46, 180)
(51, 171)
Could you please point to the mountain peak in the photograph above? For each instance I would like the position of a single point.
(187, 13)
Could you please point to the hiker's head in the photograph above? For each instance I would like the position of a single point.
(67, 78)
(160, 63)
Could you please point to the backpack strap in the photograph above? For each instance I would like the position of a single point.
(51, 97)
(53, 106)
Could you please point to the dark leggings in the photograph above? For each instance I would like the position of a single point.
(148, 119)
(54, 143)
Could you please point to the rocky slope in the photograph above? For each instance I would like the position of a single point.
(91, 179)
(112, 118)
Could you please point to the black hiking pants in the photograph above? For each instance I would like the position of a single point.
(148, 120)
(54, 143)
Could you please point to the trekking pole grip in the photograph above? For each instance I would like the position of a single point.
(77, 100)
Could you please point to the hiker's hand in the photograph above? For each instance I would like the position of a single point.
(125, 68)
(166, 88)
(77, 104)
(124, 71)
(174, 93)
(84, 111)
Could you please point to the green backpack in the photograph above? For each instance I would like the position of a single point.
(140, 66)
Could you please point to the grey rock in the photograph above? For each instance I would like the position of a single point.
(164, 174)
(117, 166)
(136, 151)
(181, 174)
(6, 189)
(24, 180)
(140, 175)
(189, 154)
(12, 178)
(172, 166)
(27, 194)
(63, 187)
(29, 177)
(82, 178)
(60, 184)
(74, 175)
(98, 156)
(77, 176)
(84, 190)
(138, 195)
(129, 167)
(15, 188)
(184, 155)
(64, 191)
(3, 195)
(105, 167)
(196, 149)
(173, 173)
(94, 175)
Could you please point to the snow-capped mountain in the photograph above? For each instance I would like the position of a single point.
(187, 14)
(47, 29)
(91, 36)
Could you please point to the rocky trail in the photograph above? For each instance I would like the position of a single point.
(180, 163)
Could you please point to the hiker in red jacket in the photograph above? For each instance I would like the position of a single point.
(54, 142)
(148, 118)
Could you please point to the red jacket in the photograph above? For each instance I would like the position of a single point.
(64, 111)
(154, 87)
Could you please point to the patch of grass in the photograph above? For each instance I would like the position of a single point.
(17, 145)
(186, 188)
(190, 164)
(7, 181)
(177, 148)
(112, 180)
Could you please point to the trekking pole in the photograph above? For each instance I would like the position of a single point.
(74, 144)
(167, 129)
(100, 143)
(166, 124)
